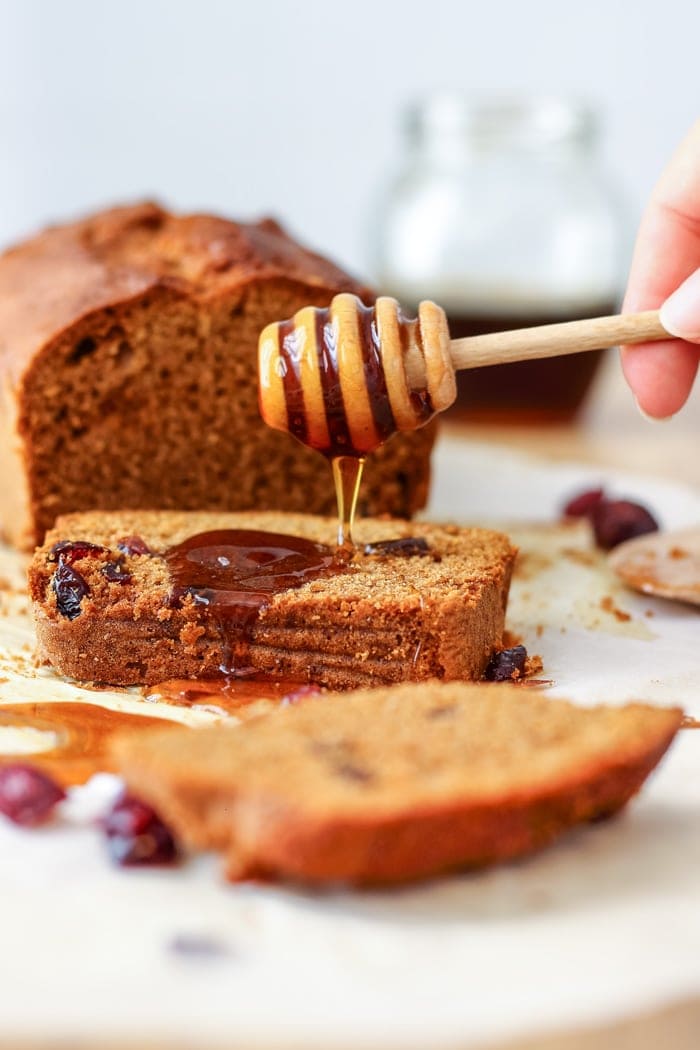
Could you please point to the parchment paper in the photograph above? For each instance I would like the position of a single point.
(603, 925)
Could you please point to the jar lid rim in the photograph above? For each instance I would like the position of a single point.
(535, 119)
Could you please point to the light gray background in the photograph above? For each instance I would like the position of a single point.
(292, 108)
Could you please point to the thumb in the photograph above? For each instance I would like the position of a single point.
(680, 314)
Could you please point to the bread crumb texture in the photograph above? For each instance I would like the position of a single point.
(387, 619)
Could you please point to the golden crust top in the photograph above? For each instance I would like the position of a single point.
(58, 277)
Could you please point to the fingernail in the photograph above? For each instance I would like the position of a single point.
(680, 314)
(652, 419)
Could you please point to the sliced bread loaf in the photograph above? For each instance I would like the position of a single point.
(106, 606)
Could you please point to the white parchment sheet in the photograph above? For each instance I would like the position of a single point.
(604, 924)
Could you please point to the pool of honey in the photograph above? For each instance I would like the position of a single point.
(83, 732)
(242, 697)
(82, 736)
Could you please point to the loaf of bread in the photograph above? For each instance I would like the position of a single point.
(431, 608)
(128, 348)
(389, 785)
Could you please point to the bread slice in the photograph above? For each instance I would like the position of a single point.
(389, 618)
(390, 785)
(128, 373)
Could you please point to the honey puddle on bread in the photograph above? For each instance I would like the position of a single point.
(232, 574)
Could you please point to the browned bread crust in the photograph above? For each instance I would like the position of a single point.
(390, 785)
(388, 619)
(128, 364)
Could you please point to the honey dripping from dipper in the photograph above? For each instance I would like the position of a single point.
(337, 379)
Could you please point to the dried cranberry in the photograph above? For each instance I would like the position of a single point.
(409, 547)
(615, 521)
(302, 693)
(69, 551)
(27, 796)
(133, 545)
(70, 589)
(136, 834)
(582, 506)
(505, 663)
(115, 572)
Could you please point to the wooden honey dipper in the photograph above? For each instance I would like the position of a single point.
(343, 379)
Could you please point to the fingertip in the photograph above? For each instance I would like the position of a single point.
(680, 314)
(660, 375)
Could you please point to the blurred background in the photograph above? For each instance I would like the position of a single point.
(294, 108)
(324, 115)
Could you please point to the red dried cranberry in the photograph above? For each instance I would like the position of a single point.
(136, 834)
(69, 551)
(505, 663)
(70, 589)
(615, 521)
(115, 572)
(133, 545)
(409, 547)
(582, 506)
(27, 796)
(302, 693)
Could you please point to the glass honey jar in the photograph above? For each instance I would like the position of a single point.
(502, 214)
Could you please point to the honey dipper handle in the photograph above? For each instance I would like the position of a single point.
(551, 340)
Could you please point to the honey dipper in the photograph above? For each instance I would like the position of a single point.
(343, 379)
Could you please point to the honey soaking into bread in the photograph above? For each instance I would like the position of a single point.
(142, 597)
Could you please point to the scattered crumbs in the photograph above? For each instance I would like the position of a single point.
(649, 613)
(581, 557)
(533, 665)
(5, 584)
(608, 605)
(678, 552)
(197, 946)
(531, 564)
(535, 683)
(539, 630)
(562, 630)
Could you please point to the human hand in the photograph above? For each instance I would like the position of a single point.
(665, 273)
